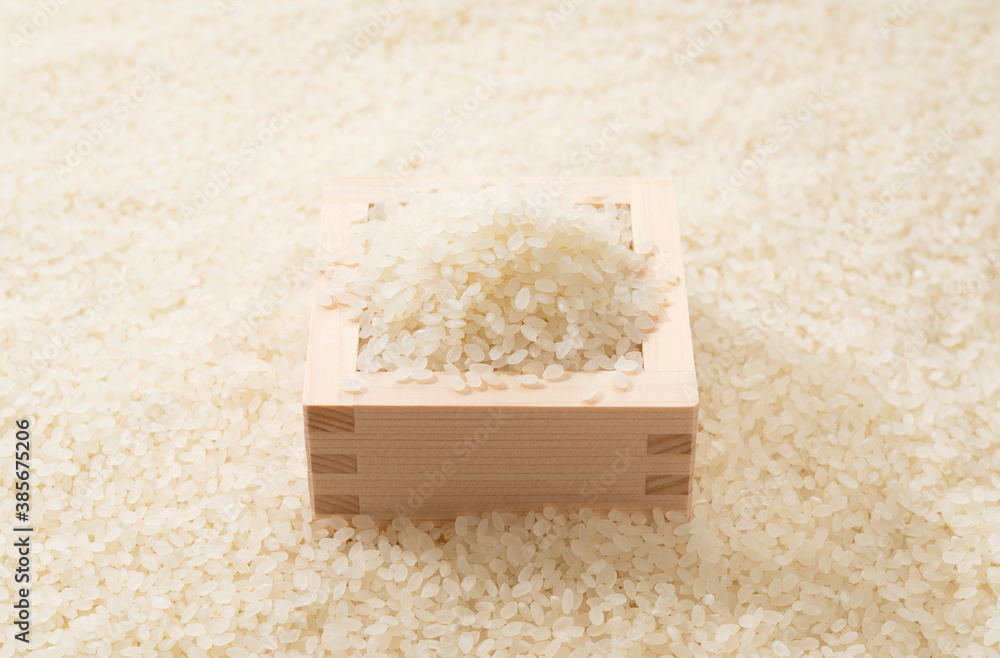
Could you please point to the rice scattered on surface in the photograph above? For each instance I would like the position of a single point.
(846, 500)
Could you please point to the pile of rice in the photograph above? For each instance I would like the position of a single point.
(475, 283)
(836, 166)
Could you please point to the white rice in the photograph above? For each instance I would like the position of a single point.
(846, 500)
(498, 279)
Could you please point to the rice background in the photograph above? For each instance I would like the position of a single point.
(155, 317)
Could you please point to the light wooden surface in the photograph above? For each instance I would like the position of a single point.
(425, 451)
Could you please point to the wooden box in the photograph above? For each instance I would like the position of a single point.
(425, 451)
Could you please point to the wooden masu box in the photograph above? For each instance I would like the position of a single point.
(424, 451)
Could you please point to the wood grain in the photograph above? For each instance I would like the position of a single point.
(425, 451)
(327, 504)
(335, 463)
(667, 484)
(658, 444)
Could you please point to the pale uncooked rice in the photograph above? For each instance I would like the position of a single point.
(496, 280)
(844, 295)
